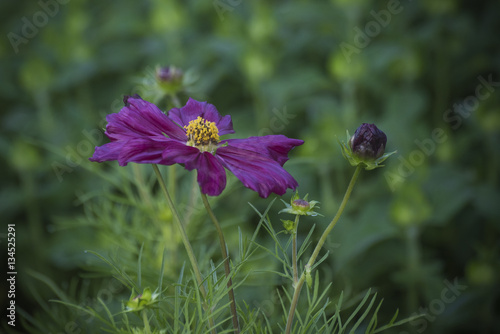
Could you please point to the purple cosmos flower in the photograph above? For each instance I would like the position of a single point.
(141, 133)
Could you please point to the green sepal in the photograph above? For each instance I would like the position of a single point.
(309, 280)
(138, 302)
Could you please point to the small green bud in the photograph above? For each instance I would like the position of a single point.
(144, 300)
(300, 206)
(288, 225)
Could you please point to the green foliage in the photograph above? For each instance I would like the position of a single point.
(88, 235)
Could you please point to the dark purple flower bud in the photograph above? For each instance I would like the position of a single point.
(368, 142)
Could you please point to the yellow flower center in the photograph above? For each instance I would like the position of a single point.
(202, 134)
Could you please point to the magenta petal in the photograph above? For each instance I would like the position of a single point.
(107, 152)
(176, 152)
(140, 118)
(225, 125)
(193, 109)
(144, 151)
(257, 172)
(211, 174)
(275, 147)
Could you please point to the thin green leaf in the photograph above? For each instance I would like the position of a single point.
(139, 271)
(353, 314)
(364, 315)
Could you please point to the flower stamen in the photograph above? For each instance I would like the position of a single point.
(202, 134)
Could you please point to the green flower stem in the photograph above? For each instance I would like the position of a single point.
(225, 258)
(192, 198)
(320, 244)
(175, 100)
(294, 252)
(141, 185)
(147, 329)
(172, 171)
(413, 264)
(171, 179)
(185, 240)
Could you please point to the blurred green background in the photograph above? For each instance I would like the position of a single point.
(426, 72)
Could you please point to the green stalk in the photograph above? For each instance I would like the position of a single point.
(312, 259)
(147, 329)
(225, 258)
(171, 178)
(294, 252)
(175, 100)
(141, 185)
(185, 240)
(413, 264)
(172, 171)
